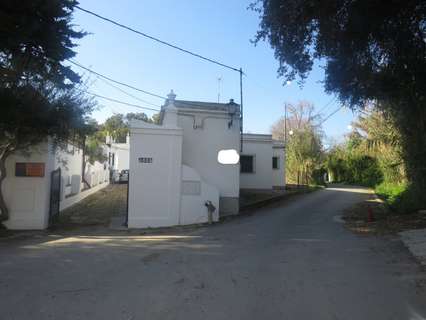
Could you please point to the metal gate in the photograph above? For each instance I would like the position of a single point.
(55, 194)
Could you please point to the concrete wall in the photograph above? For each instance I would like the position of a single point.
(278, 175)
(259, 146)
(195, 193)
(200, 149)
(28, 197)
(155, 175)
(70, 161)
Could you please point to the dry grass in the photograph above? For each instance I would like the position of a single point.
(97, 209)
(384, 221)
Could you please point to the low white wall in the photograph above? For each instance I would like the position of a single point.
(27, 198)
(259, 146)
(278, 175)
(195, 193)
(96, 173)
(155, 175)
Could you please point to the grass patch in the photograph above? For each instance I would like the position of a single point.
(391, 193)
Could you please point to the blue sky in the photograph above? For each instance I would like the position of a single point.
(221, 30)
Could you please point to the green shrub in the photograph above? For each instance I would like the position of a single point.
(363, 170)
(401, 198)
(390, 192)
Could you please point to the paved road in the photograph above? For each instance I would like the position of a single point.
(293, 261)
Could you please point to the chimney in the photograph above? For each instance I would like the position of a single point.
(170, 110)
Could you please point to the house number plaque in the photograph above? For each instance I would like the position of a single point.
(145, 160)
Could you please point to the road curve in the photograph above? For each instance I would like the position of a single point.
(291, 261)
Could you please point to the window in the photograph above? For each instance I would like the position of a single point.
(247, 164)
(275, 162)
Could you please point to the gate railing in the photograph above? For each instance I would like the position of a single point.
(55, 194)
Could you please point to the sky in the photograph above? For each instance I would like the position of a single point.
(221, 30)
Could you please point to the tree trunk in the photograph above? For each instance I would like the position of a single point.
(4, 211)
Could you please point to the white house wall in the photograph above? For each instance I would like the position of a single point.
(71, 163)
(195, 193)
(121, 152)
(261, 178)
(200, 151)
(278, 175)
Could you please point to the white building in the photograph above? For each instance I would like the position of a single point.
(45, 181)
(118, 154)
(262, 164)
(174, 168)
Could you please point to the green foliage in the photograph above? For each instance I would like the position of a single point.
(303, 145)
(303, 154)
(117, 126)
(363, 170)
(390, 192)
(94, 142)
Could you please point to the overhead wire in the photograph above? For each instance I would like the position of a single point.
(118, 101)
(127, 93)
(123, 26)
(331, 114)
(108, 78)
(115, 81)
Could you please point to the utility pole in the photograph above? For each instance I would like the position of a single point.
(241, 109)
(285, 124)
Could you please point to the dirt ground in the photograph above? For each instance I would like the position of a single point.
(373, 217)
(97, 209)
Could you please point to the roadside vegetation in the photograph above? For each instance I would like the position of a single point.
(372, 155)
(301, 130)
(376, 67)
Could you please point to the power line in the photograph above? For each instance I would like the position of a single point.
(100, 75)
(327, 104)
(157, 40)
(118, 101)
(331, 114)
(115, 81)
(128, 94)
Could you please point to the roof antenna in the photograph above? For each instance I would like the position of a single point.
(219, 80)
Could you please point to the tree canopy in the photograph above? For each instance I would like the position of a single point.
(117, 126)
(370, 51)
(38, 93)
(303, 145)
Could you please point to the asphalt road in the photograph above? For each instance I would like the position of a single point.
(292, 261)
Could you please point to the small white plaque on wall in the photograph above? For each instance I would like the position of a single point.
(191, 187)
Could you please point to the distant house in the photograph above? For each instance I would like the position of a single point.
(174, 167)
(47, 180)
(262, 162)
(118, 154)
